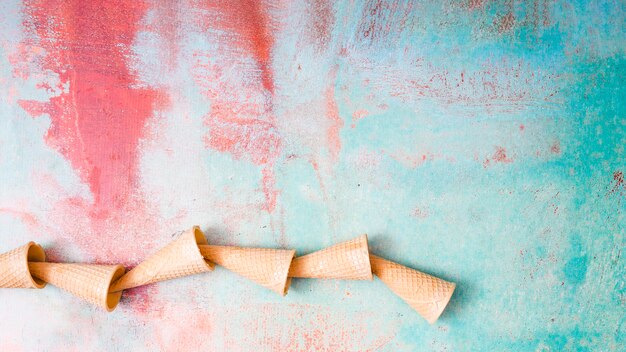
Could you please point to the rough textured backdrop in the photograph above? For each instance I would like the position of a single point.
(481, 141)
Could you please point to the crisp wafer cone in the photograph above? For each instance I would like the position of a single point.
(267, 267)
(179, 258)
(427, 294)
(14, 272)
(347, 261)
(87, 281)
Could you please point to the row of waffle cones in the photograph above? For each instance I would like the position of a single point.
(189, 253)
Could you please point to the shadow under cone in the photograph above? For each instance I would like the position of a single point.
(427, 294)
(14, 271)
(267, 267)
(347, 261)
(87, 281)
(180, 258)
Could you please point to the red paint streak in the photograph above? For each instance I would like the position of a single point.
(497, 86)
(555, 148)
(382, 22)
(618, 183)
(618, 177)
(476, 4)
(499, 156)
(336, 124)
(27, 218)
(312, 328)
(97, 122)
(241, 120)
(166, 25)
(249, 20)
(243, 138)
(506, 23)
(421, 213)
(359, 114)
(177, 327)
(321, 20)
(318, 174)
(245, 130)
(413, 160)
(140, 299)
(97, 112)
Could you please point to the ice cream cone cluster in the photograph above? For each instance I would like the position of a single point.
(189, 253)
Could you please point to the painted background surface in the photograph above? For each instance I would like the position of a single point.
(481, 141)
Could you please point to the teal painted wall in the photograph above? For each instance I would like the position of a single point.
(479, 141)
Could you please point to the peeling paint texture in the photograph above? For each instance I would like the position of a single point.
(482, 141)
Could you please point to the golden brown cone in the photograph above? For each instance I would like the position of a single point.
(14, 272)
(267, 267)
(427, 294)
(179, 258)
(87, 281)
(346, 261)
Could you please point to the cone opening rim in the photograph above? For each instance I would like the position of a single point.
(202, 241)
(35, 254)
(286, 277)
(363, 237)
(113, 298)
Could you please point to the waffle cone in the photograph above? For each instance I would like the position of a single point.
(427, 294)
(347, 261)
(179, 258)
(14, 271)
(267, 267)
(89, 282)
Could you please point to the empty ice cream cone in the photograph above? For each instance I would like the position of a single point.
(89, 282)
(180, 258)
(267, 267)
(14, 272)
(427, 294)
(347, 260)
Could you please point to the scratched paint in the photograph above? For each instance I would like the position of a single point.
(481, 141)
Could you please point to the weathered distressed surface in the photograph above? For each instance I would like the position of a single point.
(480, 141)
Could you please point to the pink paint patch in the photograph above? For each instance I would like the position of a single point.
(96, 121)
(476, 4)
(499, 156)
(27, 218)
(249, 134)
(555, 148)
(309, 328)
(506, 23)
(140, 299)
(421, 213)
(250, 21)
(321, 20)
(336, 124)
(359, 114)
(619, 187)
(96, 125)
(241, 121)
(497, 86)
(383, 21)
(413, 160)
(253, 139)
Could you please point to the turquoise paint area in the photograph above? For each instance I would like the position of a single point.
(483, 153)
